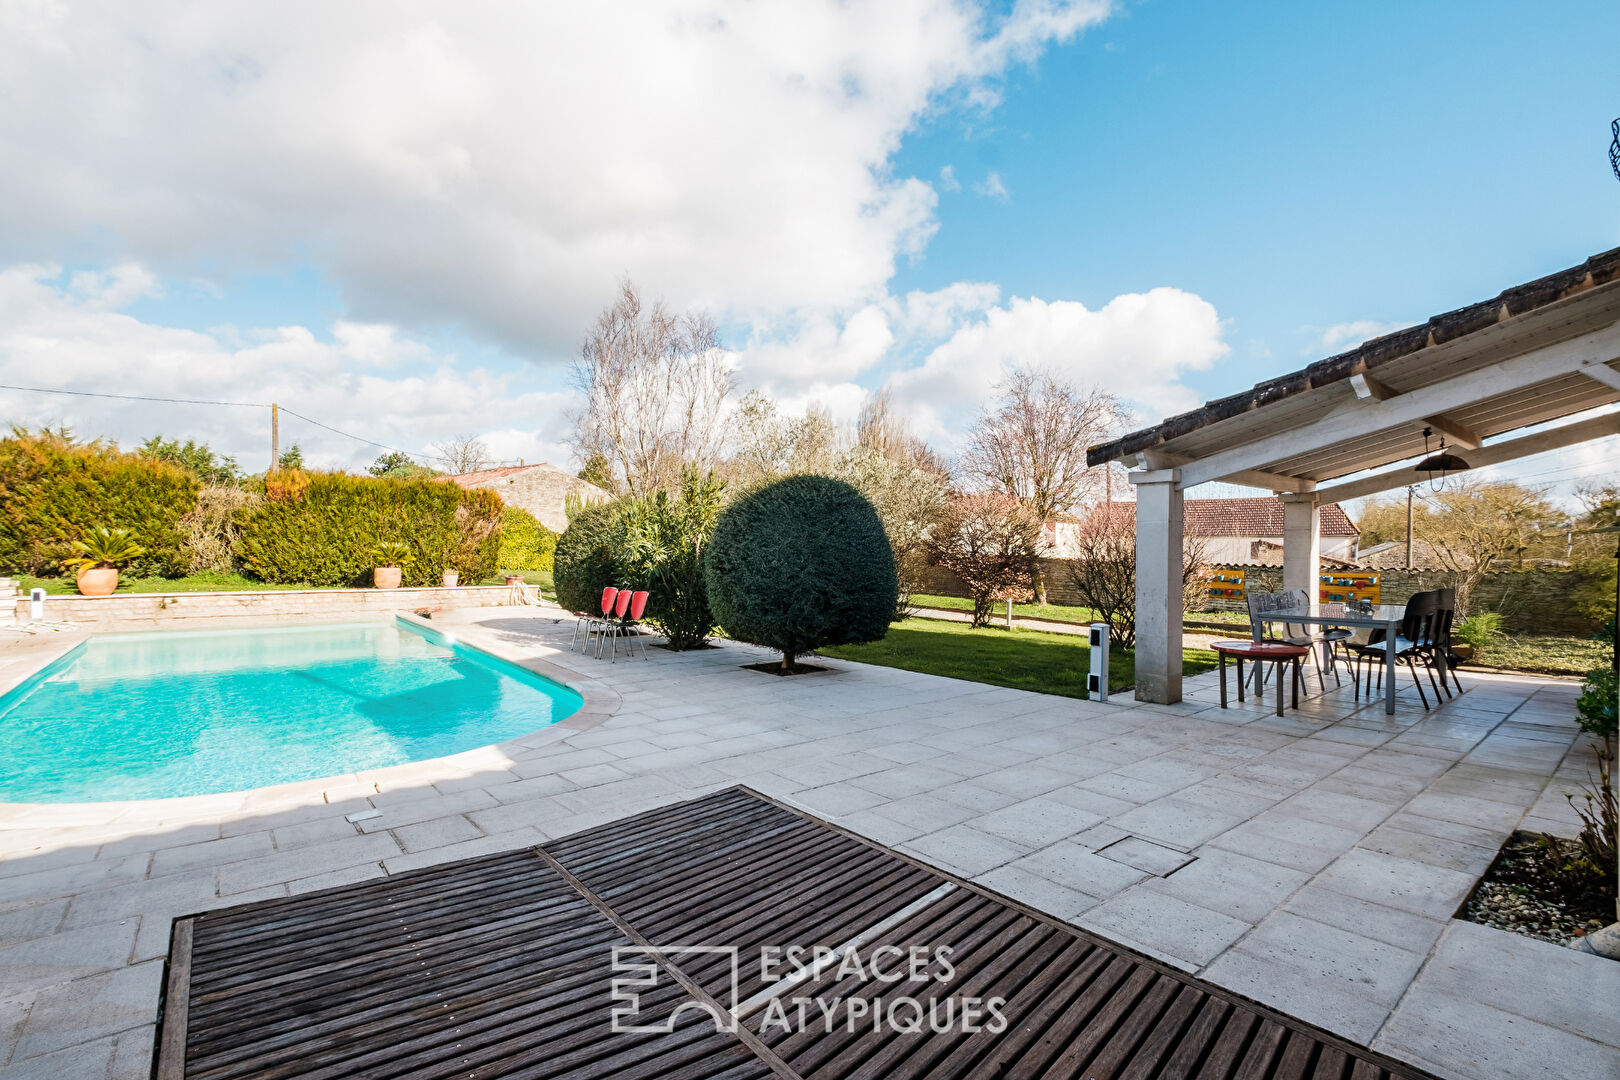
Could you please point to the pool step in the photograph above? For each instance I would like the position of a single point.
(10, 589)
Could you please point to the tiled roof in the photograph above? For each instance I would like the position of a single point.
(1371, 355)
(472, 479)
(1261, 516)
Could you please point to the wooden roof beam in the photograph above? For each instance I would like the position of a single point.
(1455, 432)
(1368, 388)
(1603, 373)
(1542, 441)
(1160, 459)
(1354, 417)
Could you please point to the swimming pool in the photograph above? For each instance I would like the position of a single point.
(154, 715)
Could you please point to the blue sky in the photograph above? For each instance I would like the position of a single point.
(401, 222)
(1298, 165)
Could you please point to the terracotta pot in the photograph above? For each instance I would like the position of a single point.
(450, 579)
(386, 577)
(1463, 650)
(98, 581)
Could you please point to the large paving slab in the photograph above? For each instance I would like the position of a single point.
(1311, 862)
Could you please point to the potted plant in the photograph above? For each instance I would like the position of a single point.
(450, 579)
(392, 556)
(98, 556)
(1471, 636)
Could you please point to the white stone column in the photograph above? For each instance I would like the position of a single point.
(1302, 543)
(1158, 585)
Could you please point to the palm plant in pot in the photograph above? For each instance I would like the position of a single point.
(392, 557)
(97, 557)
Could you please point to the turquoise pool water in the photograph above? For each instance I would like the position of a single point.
(148, 716)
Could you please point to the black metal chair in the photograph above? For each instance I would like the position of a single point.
(1440, 647)
(1414, 640)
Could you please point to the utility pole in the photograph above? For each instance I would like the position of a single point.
(1409, 528)
(275, 436)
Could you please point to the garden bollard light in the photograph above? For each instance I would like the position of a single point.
(1097, 684)
(36, 605)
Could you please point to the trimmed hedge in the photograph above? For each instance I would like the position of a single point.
(525, 543)
(585, 562)
(53, 492)
(321, 529)
(799, 564)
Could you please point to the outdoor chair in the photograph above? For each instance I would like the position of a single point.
(1413, 641)
(1267, 608)
(1440, 647)
(611, 620)
(628, 626)
(589, 621)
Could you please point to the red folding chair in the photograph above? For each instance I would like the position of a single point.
(610, 625)
(609, 595)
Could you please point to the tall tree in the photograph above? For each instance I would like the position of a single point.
(1475, 528)
(655, 385)
(884, 431)
(462, 454)
(1031, 444)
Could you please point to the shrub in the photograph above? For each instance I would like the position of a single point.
(801, 563)
(210, 533)
(663, 543)
(53, 491)
(1480, 630)
(585, 562)
(322, 529)
(525, 543)
(990, 542)
(1596, 708)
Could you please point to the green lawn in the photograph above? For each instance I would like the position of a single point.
(1546, 655)
(1057, 612)
(1022, 659)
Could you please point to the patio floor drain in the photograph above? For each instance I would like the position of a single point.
(503, 966)
(1145, 855)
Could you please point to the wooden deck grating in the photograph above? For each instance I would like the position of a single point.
(502, 966)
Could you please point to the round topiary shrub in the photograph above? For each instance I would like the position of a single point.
(799, 564)
(584, 563)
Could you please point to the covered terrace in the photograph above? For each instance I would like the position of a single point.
(1499, 380)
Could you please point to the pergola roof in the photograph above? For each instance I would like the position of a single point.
(1536, 353)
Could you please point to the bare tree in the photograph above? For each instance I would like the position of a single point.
(766, 444)
(655, 386)
(880, 429)
(1475, 528)
(1104, 570)
(990, 541)
(1032, 444)
(462, 454)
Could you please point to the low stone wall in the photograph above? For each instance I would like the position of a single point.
(320, 603)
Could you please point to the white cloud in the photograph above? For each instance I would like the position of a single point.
(1347, 335)
(1138, 346)
(497, 168)
(992, 187)
(948, 180)
(368, 380)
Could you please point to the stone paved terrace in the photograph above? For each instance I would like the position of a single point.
(1329, 848)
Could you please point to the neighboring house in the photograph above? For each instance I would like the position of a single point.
(1234, 532)
(540, 489)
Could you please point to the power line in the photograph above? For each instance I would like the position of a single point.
(135, 397)
(229, 404)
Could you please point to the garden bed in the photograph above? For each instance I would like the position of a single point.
(1531, 889)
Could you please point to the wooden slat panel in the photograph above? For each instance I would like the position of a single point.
(499, 966)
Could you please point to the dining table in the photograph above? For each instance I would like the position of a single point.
(1385, 617)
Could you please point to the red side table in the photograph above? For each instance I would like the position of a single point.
(1260, 652)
